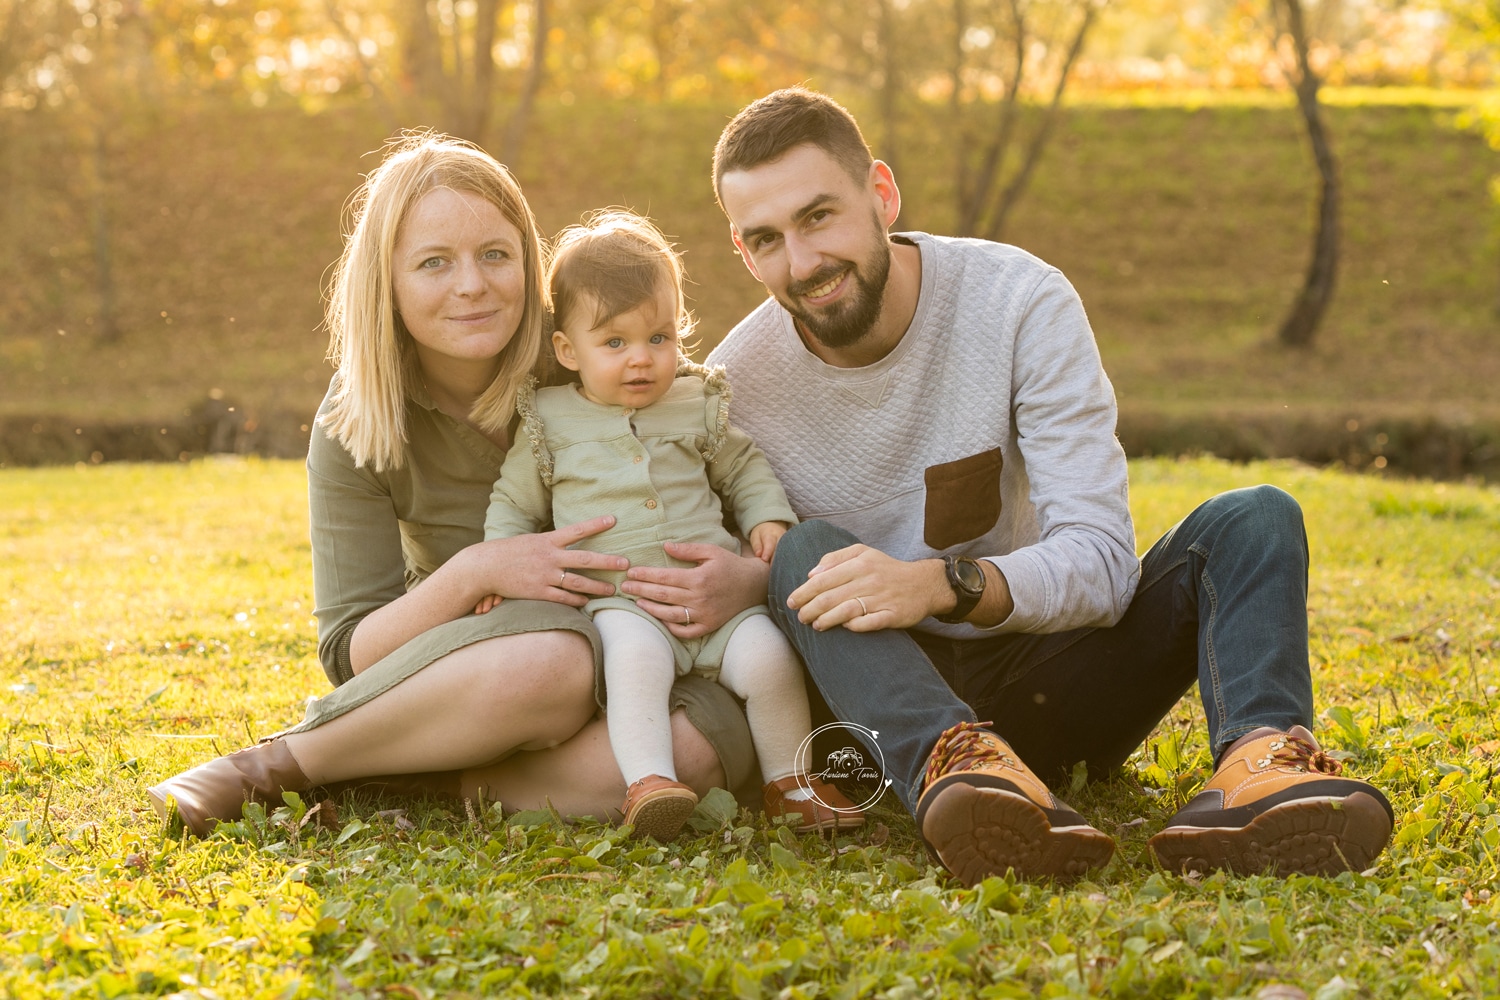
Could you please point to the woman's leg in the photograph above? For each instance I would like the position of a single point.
(524, 691)
(580, 777)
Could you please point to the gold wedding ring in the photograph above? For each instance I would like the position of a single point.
(862, 609)
(687, 615)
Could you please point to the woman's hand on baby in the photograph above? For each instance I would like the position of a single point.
(695, 600)
(542, 567)
(764, 538)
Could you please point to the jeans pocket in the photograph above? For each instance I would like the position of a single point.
(963, 499)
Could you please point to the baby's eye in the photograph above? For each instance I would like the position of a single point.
(615, 342)
(660, 338)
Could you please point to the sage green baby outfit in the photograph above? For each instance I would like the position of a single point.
(660, 470)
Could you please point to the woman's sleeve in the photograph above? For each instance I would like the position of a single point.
(358, 566)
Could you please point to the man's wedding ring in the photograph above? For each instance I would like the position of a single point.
(562, 577)
(862, 609)
(687, 615)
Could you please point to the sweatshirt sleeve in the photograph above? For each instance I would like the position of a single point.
(1083, 570)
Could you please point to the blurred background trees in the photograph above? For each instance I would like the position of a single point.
(171, 170)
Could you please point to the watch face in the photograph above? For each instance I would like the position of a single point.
(970, 576)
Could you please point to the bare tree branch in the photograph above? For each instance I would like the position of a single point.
(366, 70)
(1017, 186)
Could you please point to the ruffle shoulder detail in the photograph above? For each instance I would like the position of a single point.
(716, 395)
(531, 426)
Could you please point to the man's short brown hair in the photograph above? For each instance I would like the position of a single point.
(777, 123)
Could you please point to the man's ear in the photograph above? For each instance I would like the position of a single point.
(563, 348)
(887, 195)
(739, 245)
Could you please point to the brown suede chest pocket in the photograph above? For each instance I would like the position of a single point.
(963, 499)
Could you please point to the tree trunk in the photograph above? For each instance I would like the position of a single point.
(104, 281)
(514, 136)
(479, 93)
(1301, 323)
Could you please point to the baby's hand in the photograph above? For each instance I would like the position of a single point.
(764, 536)
(487, 605)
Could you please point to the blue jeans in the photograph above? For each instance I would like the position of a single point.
(1222, 600)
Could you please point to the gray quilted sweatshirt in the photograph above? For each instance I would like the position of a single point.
(989, 431)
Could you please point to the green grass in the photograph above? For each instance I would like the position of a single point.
(156, 615)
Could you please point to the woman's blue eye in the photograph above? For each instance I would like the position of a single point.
(432, 262)
(494, 254)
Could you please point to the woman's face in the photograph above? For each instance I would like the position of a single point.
(459, 278)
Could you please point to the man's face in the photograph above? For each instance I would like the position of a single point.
(816, 238)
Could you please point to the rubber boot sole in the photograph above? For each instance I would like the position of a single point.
(1306, 836)
(977, 832)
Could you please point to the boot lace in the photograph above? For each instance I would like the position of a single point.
(1299, 754)
(967, 746)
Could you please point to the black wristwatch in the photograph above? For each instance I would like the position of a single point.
(966, 577)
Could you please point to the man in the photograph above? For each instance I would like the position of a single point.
(937, 411)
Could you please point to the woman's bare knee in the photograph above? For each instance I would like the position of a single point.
(542, 680)
(697, 762)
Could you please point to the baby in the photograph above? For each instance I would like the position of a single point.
(645, 435)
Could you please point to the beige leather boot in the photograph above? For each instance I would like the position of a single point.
(218, 790)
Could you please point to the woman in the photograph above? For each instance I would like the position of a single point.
(437, 315)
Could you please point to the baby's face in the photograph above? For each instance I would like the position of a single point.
(628, 361)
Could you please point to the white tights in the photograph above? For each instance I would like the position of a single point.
(759, 667)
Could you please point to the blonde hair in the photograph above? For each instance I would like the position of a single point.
(368, 343)
(615, 260)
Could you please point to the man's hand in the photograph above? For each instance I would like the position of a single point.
(693, 601)
(865, 590)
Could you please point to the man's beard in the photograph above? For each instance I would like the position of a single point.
(844, 323)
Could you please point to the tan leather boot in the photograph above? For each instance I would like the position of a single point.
(983, 811)
(1278, 804)
(218, 790)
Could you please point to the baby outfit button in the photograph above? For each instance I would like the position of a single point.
(650, 504)
(636, 459)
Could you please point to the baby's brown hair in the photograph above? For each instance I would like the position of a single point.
(616, 260)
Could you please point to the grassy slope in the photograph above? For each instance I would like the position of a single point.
(154, 614)
(1185, 230)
